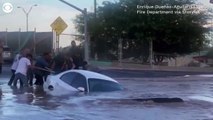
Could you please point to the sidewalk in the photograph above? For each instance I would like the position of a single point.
(131, 66)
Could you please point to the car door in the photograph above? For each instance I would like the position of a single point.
(75, 80)
(79, 81)
(66, 80)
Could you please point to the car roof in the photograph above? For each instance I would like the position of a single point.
(90, 74)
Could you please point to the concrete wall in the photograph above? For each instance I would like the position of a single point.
(42, 41)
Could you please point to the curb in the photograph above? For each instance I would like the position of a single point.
(178, 69)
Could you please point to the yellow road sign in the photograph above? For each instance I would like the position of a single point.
(59, 25)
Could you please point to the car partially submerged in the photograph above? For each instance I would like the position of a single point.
(81, 80)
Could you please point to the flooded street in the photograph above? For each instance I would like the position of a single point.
(35, 104)
(151, 60)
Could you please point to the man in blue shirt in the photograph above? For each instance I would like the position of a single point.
(42, 62)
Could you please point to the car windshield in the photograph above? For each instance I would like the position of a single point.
(101, 85)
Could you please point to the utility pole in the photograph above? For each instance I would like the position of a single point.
(95, 10)
(6, 41)
(120, 50)
(86, 40)
(151, 52)
(27, 14)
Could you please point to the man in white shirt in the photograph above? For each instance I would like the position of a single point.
(14, 66)
(21, 71)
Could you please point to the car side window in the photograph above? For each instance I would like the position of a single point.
(68, 77)
(79, 81)
(99, 85)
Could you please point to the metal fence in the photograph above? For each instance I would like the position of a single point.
(38, 42)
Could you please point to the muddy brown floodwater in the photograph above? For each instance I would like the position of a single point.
(35, 104)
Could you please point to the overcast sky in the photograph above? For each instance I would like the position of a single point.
(45, 13)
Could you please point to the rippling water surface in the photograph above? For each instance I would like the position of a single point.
(35, 104)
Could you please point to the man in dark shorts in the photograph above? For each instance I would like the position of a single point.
(42, 62)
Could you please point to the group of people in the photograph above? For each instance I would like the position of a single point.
(25, 68)
(19, 68)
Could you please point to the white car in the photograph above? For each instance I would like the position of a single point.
(80, 80)
(7, 54)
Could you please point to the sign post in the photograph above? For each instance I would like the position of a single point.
(58, 26)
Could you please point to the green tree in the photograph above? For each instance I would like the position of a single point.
(170, 33)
